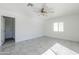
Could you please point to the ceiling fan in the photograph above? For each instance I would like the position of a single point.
(44, 10)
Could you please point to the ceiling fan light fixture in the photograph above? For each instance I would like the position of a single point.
(44, 11)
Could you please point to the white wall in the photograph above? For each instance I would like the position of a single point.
(26, 27)
(71, 28)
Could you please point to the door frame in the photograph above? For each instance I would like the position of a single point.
(3, 28)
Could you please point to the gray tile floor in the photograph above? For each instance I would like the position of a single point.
(36, 46)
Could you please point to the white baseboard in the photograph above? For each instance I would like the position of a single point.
(70, 39)
(29, 38)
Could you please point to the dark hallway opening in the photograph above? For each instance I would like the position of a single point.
(9, 29)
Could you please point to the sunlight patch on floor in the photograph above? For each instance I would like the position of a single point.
(48, 52)
(59, 50)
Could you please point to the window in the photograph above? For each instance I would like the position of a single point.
(58, 27)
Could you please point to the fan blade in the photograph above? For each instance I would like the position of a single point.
(36, 9)
(51, 11)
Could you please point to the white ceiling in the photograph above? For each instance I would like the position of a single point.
(60, 9)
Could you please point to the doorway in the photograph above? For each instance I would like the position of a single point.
(8, 30)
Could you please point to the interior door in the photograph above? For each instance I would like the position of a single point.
(8, 28)
(2, 30)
